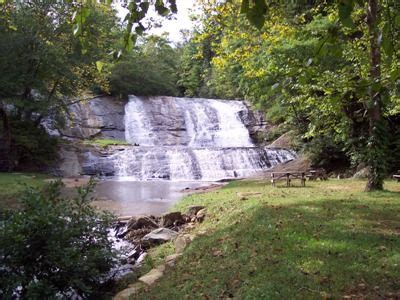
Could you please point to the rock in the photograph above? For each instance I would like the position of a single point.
(136, 235)
(362, 174)
(194, 209)
(172, 219)
(171, 259)
(154, 275)
(285, 141)
(69, 164)
(181, 242)
(201, 214)
(141, 222)
(130, 292)
(160, 235)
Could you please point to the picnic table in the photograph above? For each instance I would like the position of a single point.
(288, 176)
(397, 176)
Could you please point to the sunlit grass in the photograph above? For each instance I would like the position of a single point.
(12, 184)
(328, 239)
(105, 142)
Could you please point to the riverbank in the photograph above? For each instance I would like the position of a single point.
(328, 239)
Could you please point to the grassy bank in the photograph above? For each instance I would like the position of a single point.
(103, 143)
(328, 239)
(12, 184)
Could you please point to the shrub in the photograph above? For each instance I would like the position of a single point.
(55, 247)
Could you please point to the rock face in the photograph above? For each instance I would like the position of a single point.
(170, 138)
(100, 117)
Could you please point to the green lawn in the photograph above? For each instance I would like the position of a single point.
(327, 240)
(12, 184)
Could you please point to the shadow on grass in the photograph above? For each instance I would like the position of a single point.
(309, 249)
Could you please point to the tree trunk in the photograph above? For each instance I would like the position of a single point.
(376, 149)
(7, 161)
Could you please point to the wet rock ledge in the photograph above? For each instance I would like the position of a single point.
(149, 231)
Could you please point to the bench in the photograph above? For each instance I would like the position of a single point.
(288, 176)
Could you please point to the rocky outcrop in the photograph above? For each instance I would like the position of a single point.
(256, 123)
(170, 138)
(284, 141)
(99, 117)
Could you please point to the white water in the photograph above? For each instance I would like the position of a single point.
(183, 139)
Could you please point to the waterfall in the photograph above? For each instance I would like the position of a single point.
(190, 139)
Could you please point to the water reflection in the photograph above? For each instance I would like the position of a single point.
(130, 198)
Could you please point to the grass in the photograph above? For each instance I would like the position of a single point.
(327, 240)
(103, 143)
(12, 184)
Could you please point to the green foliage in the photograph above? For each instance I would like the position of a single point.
(33, 148)
(43, 65)
(55, 247)
(150, 69)
(307, 65)
(105, 142)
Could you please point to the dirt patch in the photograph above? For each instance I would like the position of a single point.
(203, 189)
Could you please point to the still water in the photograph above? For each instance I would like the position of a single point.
(132, 198)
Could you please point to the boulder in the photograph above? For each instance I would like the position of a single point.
(154, 275)
(362, 174)
(160, 235)
(171, 259)
(201, 214)
(172, 219)
(141, 223)
(194, 209)
(181, 242)
(129, 293)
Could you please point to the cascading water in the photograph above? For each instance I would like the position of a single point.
(183, 139)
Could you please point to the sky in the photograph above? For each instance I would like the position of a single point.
(173, 27)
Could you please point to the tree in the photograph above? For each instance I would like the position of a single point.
(149, 69)
(43, 64)
(376, 156)
(54, 247)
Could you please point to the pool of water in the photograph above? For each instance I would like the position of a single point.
(133, 198)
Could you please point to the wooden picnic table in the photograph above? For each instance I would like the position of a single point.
(288, 176)
(397, 176)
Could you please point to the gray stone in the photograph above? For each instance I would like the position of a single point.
(128, 293)
(194, 209)
(69, 162)
(201, 214)
(362, 174)
(154, 275)
(160, 235)
(172, 219)
(181, 242)
(170, 260)
(101, 117)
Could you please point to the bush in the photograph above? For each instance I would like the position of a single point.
(54, 247)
